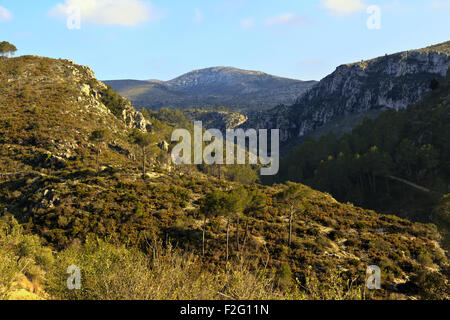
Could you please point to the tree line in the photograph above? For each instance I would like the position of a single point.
(243, 205)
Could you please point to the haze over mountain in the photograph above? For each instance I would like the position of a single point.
(214, 87)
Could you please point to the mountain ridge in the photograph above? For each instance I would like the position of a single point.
(213, 87)
(388, 82)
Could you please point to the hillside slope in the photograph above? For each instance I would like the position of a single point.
(106, 217)
(214, 87)
(398, 162)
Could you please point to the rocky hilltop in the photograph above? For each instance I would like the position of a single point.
(389, 82)
(52, 106)
(214, 87)
(230, 80)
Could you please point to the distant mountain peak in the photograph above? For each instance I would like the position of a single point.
(225, 69)
(215, 86)
(225, 75)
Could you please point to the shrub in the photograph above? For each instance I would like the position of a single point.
(113, 101)
(20, 255)
(432, 285)
(110, 272)
(284, 277)
(425, 259)
(336, 287)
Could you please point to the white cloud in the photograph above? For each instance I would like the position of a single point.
(286, 19)
(441, 4)
(199, 16)
(247, 23)
(5, 15)
(343, 7)
(110, 12)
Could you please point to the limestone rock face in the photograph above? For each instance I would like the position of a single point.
(85, 89)
(390, 82)
(221, 120)
(92, 89)
(135, 119)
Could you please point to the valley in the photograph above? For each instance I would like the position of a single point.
(86, 179)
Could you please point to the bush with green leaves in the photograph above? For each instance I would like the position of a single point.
(109, 272)
(21, 254)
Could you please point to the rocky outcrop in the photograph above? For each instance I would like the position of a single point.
(393, 81)
(94, 92)
(135, 119)
(221, 120)
(277, 118)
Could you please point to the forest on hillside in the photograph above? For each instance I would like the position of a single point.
(398, 163)
(75, 191)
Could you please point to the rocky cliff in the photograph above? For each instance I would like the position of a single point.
(221, 120)
(393, 81)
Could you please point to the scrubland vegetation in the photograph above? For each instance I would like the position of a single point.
(139, 228)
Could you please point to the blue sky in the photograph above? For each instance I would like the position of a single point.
(161, 39)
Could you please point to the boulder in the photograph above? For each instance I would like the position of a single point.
(135, 119)
(85, 89)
